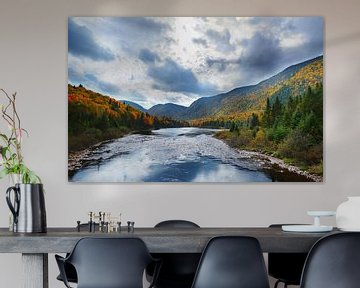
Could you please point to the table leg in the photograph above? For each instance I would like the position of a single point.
(35, 270)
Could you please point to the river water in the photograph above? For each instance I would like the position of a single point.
(175, 155)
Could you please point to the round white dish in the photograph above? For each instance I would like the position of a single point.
(306, 228)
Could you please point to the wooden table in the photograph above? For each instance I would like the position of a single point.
(35, 247)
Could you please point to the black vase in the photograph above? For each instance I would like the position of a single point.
(28, 208)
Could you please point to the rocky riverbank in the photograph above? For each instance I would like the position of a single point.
(78, 159)
(94, 154)
(271, 162)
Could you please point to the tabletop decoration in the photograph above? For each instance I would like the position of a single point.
(315, 227)
(25, 197)
(348, 214)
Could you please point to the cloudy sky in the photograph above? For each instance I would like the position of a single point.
(180, 59)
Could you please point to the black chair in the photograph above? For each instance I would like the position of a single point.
(108, 263)
(176, 224)
(69, 269)
(178, 269)
(232, 262)
(333, 262)
(286, 267)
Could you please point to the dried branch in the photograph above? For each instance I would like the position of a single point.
(12, 159)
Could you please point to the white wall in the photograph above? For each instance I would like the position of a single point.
(33, 62)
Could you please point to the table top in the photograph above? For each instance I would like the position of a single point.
(158, 240)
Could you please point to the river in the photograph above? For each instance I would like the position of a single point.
(175, 155)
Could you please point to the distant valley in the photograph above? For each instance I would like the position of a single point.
(281, 116)
(241, 102)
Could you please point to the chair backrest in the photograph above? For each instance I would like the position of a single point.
(177, 268)
(176, 224)
(232, 262)
(110, 262)
(333, 262)
(286, 266)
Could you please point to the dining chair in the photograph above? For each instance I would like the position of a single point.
(70, 271)
(333, 262)
(286, 267)
(178, 269)
(108, 263)
(232, 262)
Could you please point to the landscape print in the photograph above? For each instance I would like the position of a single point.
(195, 99)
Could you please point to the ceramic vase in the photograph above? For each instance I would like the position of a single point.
(348, 215)
(27, 204)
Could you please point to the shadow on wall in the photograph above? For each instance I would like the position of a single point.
(343, 39)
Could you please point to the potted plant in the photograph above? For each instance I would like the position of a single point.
(27, 204)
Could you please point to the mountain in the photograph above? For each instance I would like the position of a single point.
(241, 102)
(93, 117)
(135, 105)
(208, 106)
(167, 110)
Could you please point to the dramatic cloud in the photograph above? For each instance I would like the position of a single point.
(275, 44)
(262, 53)
(147, 56)
(91, 81)
(311, 34)
(103, 86)
(200, 41)
(221, 40)
(82, 43)
(131, 34)
(74, 77)
(154, 60)
(170, 76)
(141, 24)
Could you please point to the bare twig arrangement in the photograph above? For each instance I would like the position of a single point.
(12, 159)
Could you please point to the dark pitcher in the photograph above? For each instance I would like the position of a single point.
(28, 207)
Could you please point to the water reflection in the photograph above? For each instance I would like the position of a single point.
(171, 155)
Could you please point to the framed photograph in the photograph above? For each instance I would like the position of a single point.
(195, 99)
